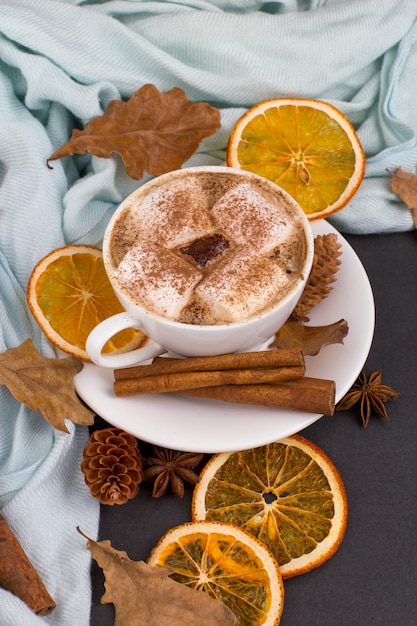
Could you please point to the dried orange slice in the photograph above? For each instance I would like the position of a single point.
(69, 293)
(288, 494)
(228, 563)
(307, 147)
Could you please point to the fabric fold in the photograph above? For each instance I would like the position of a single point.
(44, 516)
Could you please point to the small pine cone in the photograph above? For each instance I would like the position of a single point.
(112, 466)
(326, 263)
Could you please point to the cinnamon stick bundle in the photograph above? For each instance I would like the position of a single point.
(18, 575)
(274, 378)
(314, 395)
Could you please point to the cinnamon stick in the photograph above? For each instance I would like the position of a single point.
(244, 360)
(18, 575)
(314, 395)
(179, 381)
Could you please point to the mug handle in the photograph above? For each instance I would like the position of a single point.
(109, 327)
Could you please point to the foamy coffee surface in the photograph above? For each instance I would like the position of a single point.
(208, 248)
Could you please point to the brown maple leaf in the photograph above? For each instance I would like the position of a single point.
(144, 595)
(153, 131)
(309, 339)
(404, 185)
(44, 384)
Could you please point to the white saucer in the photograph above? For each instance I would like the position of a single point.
(197, 425)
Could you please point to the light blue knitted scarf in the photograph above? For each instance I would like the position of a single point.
(61, 62)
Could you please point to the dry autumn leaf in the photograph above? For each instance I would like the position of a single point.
(404, 185)
(153, 131)
(44, 384)
(309, 339)
(144, 595)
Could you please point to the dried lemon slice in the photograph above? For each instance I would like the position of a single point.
(288, 494)
(228, 563)
(307, 147)
(69, 293)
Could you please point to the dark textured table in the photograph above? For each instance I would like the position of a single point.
(372, 579)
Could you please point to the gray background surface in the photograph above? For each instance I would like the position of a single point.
(372, 579)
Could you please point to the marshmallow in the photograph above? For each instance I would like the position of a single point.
(174, 215)
(157, 278)
(250, 218)
(241, 285)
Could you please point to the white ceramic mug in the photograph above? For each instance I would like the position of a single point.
(184, 339)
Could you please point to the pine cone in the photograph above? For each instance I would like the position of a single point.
(326, 264)
(112, 466)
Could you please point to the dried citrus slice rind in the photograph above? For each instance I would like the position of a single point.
(307, 147)
(69, 293)
(288, 494)
(228, 563)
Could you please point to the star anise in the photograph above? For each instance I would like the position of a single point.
(171, 468)
(371, 395)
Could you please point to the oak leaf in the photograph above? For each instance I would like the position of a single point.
(404, 185)
(309, 339)
(44, 384)
(144, 595)
(153, 131)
